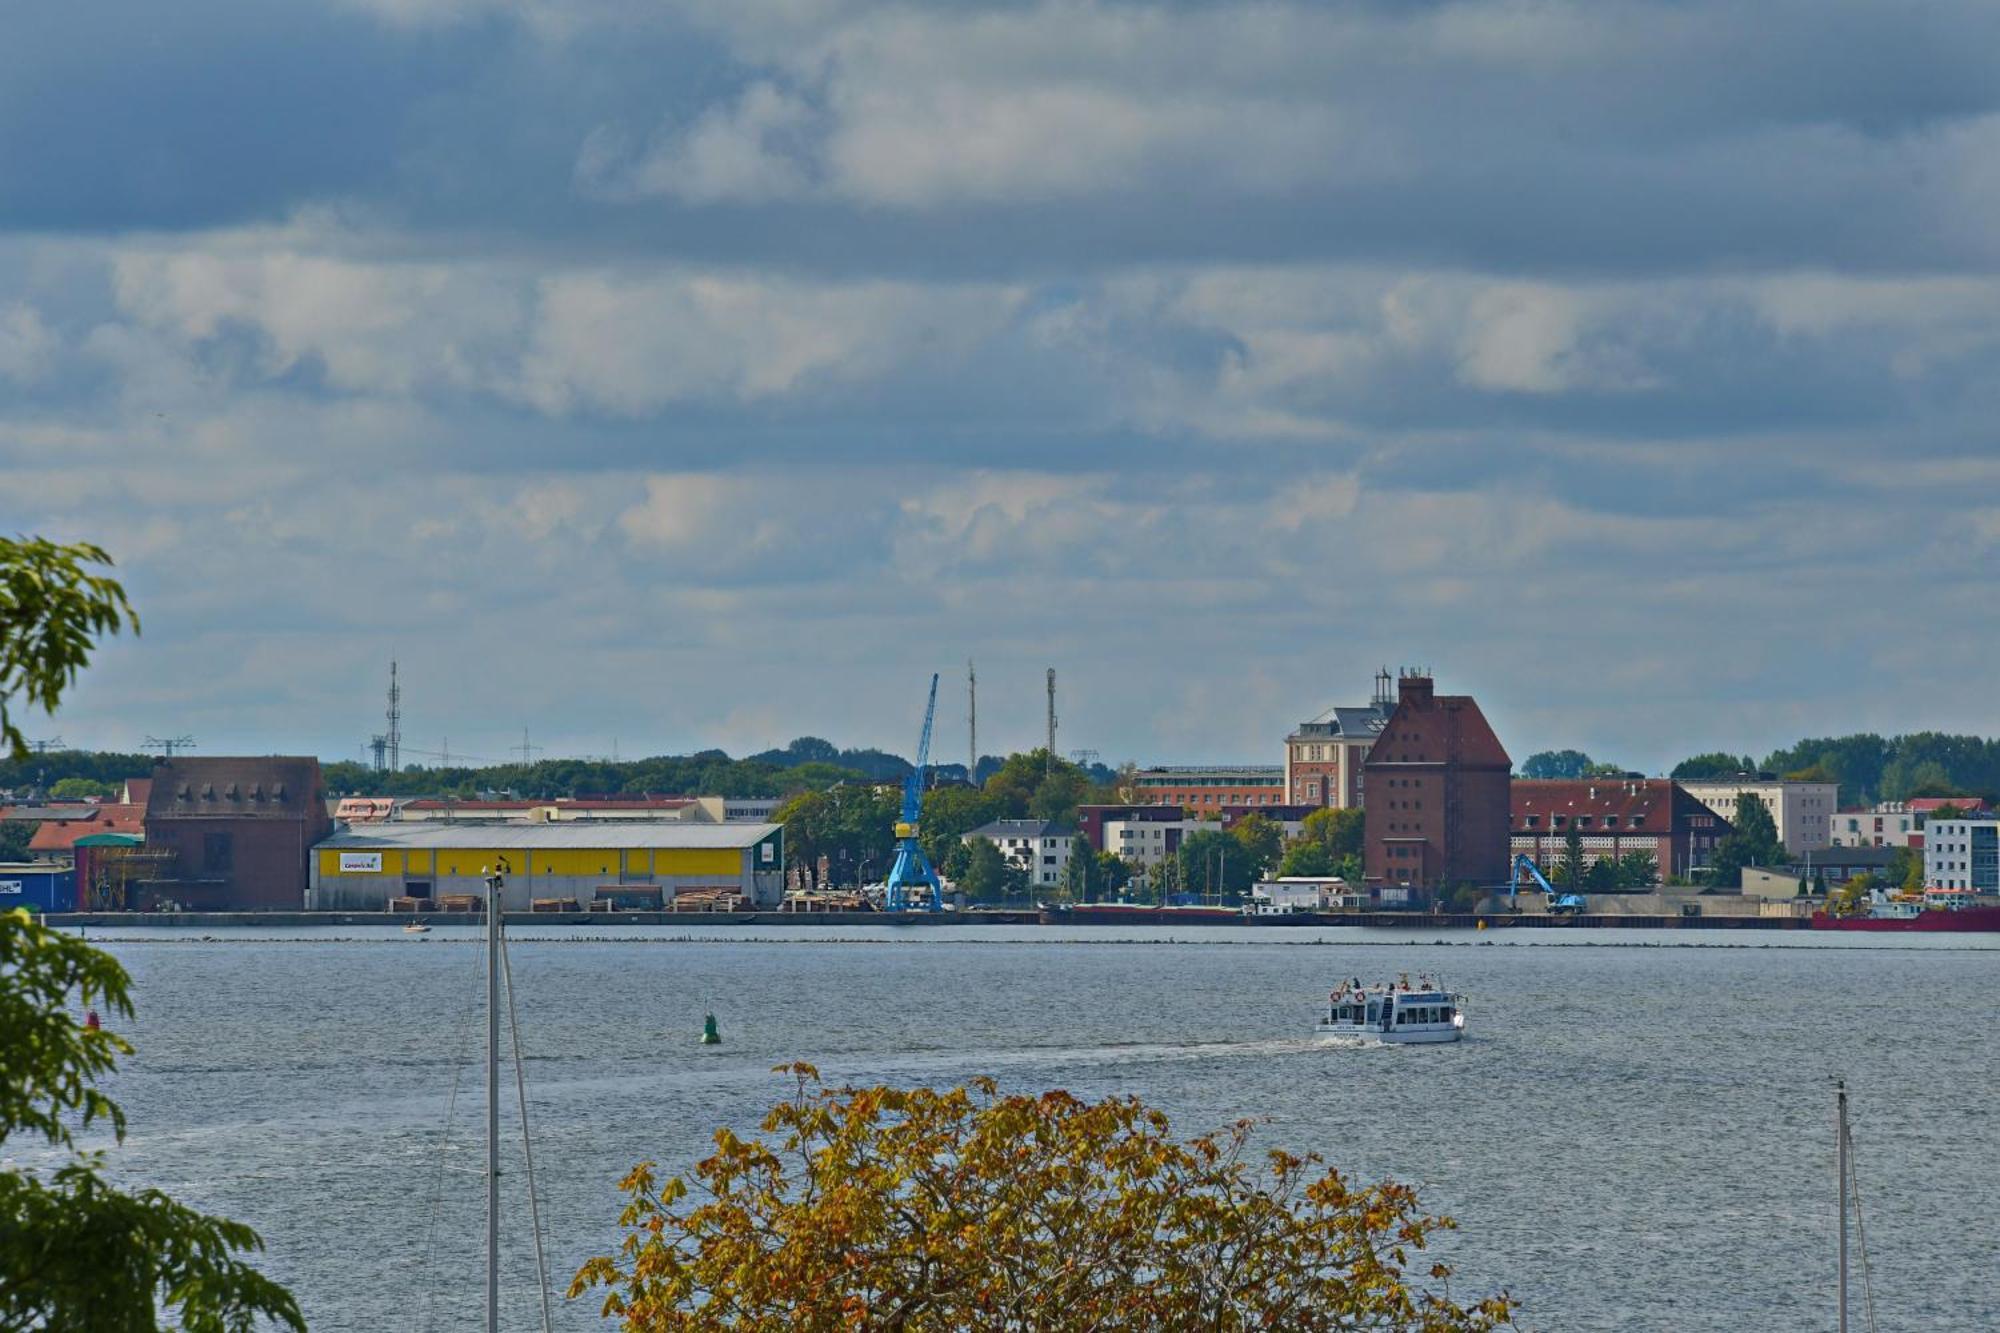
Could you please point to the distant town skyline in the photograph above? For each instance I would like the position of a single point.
(703, 375)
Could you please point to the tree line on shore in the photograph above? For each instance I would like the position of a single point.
(1866, 767)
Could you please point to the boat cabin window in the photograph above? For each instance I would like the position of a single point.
(1445, 1014)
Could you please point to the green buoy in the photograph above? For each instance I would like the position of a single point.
(709, 1036)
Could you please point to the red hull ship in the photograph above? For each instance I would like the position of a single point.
(1134, 914)
(1949, 919)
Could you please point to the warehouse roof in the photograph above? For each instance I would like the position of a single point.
(431, 833)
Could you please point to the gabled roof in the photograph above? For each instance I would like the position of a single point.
(1435, 727)
(60, 835)
(1925, 805)
(1021, 828)
(38, 813)
(257, 787)
(1344, 723)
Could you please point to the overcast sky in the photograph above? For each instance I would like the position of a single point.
(672, 375)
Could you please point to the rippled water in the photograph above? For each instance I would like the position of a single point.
(1632, 1137)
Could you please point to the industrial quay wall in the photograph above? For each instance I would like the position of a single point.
(1403, 921)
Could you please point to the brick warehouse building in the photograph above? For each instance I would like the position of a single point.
(232, 834)
(1435, 787)
(1614, 817)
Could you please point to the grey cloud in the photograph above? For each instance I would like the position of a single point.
(757, 350)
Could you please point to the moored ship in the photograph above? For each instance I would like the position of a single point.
(1941, 910)
(1137, 914)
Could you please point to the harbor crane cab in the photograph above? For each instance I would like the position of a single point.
(1560, 904)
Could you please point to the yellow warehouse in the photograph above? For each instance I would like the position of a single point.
(362, 868)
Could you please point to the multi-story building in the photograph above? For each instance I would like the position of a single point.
(1323, 757)
(1435, 787)
(1962, 854)
(1207, 788)
(1614, 817)
(1035, 845)
(1290, 819)
(1889, 824)
(1901, 823)
(229, 834)
(1145, 835)
(1802, 811)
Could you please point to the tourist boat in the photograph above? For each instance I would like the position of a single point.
(1401, 1014)
(1942, 910)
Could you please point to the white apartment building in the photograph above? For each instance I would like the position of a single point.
(1145, 842)
(1887, 825)
(1034, 845)
(1962, 854)
(1802, 811)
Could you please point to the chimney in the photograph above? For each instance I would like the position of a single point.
(1414, 689)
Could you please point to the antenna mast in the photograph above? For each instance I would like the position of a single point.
(393, 741)
(1050, 767)
(971, 723)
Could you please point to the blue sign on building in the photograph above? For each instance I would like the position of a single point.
(39, 887)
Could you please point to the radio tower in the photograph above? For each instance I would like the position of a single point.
(393, 741)
(1050, 767)
(971, 723)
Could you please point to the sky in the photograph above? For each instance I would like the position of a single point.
(656, 375)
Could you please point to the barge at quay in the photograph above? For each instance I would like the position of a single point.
(1137, 914)
(1941, 910)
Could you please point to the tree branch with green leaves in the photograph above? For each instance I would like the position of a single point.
(53, 608)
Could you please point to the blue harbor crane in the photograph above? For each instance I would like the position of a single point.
(1560, 904)
(913, 869)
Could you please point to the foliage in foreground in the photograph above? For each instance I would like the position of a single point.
(76, 1252)
(52, 608)
(882, 1208)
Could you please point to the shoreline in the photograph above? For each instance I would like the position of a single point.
(920, 920)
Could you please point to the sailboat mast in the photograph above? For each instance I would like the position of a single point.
(1840, 1157)
(493, 1104)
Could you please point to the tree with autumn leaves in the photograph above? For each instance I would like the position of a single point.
(884, 1208)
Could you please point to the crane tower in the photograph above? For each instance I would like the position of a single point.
(912, 871)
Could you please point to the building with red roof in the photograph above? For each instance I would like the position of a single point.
(1435, 787)
(57, 837)
(1614, 817)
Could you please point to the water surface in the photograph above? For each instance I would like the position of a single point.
(1637, 1134)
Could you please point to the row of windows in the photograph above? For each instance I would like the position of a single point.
(1583, 821)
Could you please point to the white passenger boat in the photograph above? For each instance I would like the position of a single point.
(1402, 1014)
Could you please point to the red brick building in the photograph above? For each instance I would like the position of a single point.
(1435, 788)
(233, 834)
(1615, 817)
(1207, 789)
